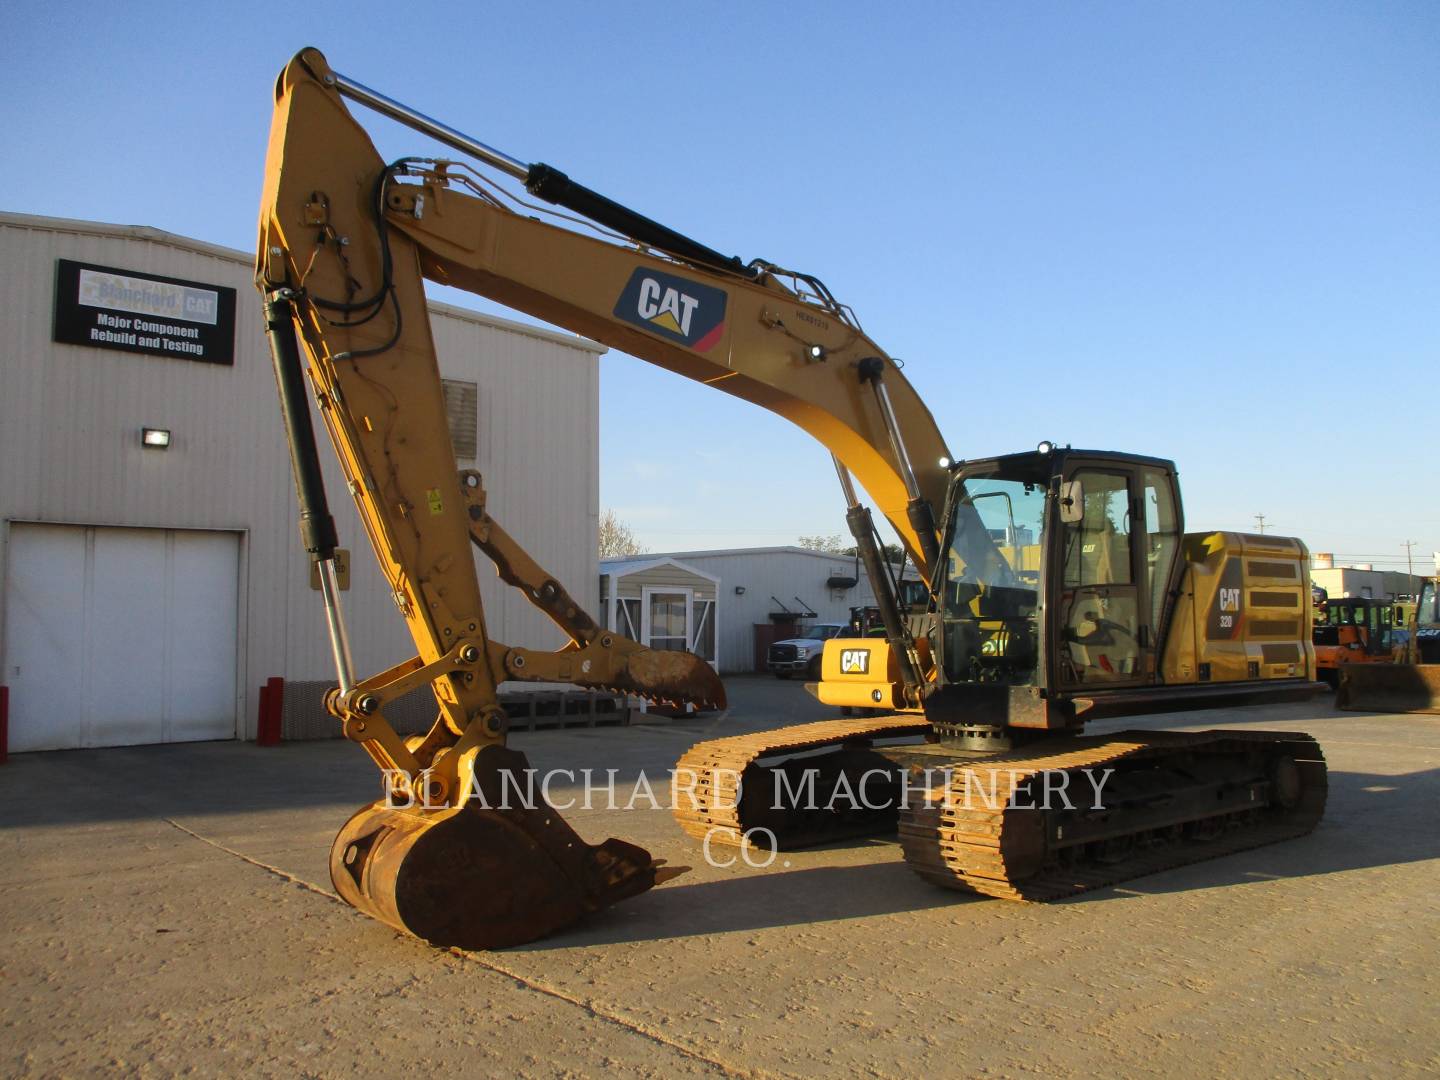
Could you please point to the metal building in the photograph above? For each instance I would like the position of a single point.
(760, 585)
(149, 590)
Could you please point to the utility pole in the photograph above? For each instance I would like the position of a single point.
(1260, 523)
(1410, 565)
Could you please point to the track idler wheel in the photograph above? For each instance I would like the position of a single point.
(480, 875)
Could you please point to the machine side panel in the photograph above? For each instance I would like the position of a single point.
(1244, 611)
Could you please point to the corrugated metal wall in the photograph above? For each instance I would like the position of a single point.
(782, 572)
(70, 419)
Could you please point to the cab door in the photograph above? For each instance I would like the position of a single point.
(1163, 518)
(1119, 542)
(1099, 612)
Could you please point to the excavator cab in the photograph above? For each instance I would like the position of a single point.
(1056, 570)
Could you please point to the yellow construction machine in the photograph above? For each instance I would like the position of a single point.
(1061, 584)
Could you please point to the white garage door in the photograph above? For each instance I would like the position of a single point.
(115, 637)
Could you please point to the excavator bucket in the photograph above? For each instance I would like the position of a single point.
(503, 868)
(1406, 688)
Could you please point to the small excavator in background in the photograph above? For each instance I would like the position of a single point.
(1059, 584)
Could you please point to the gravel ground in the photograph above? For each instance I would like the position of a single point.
(168, 910)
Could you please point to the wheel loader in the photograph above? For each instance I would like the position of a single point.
(1059, 583)
(1351, 630)
(1412, 683)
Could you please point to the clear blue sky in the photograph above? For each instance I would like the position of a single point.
(1201, 231)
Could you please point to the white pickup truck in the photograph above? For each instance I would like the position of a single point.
(801, 655)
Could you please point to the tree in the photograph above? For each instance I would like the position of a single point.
(616, 537)
(889, 552)
(832, 545)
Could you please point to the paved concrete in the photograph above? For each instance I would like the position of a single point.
(167, 909)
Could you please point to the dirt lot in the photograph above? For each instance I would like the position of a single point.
(168, 909)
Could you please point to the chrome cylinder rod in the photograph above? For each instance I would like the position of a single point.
(847, 484)
(413, 118)
(335, 622)
(882, 583)
(897, 444)
(547, 183)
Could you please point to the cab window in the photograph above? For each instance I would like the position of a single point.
(1098, 546)
(1162, 540)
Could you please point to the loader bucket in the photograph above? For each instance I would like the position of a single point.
(1389, 688)
(483, 875)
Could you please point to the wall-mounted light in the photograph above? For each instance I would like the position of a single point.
(739, 590)
(154, 438)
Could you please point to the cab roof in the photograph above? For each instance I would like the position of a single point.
(1055, 460)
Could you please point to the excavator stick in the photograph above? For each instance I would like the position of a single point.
(596, 657)
(1399, 688)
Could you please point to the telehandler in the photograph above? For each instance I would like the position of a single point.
(1061, 584)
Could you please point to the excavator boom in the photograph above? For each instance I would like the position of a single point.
(345, 241)
(746, 329)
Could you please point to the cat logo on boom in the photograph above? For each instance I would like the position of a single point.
(673, 307)
(854, 661)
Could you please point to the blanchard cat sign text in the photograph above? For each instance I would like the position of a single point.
(120, 309)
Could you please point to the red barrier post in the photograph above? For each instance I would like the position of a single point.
(272, 699)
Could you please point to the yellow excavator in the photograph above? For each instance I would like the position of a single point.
(1060, 583)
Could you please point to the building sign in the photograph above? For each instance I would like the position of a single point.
(117, 309)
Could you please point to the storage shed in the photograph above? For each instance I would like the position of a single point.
(153, 572)
(663, 603)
